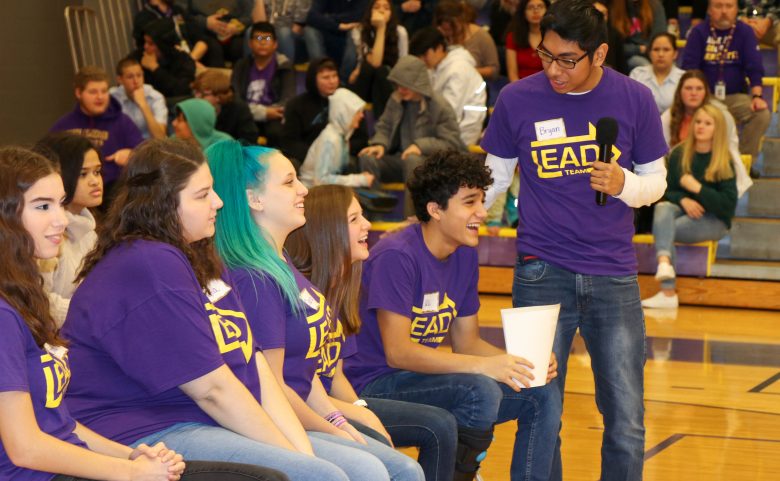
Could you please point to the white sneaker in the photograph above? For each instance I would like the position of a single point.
(665, 272)
(661, 301)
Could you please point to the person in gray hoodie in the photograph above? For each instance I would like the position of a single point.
(416, 123)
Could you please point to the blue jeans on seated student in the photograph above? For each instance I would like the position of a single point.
(334, 462)
(671, 224)
(608, 313)
(479, 402)
(214, 471)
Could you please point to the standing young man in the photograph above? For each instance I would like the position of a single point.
(570, 250)
(421, 284)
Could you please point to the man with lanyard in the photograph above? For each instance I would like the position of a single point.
(570, 250)
(727, 51)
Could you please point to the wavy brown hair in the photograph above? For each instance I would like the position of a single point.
(677, 110)
(21, 284)
(331, 269)
(146, 206)
(457, 14)
(621, 21)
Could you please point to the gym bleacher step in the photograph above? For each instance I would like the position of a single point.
(771, 157)
(764, 197)
(740, 269)
(755, 239)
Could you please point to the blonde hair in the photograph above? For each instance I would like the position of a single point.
(719, 167)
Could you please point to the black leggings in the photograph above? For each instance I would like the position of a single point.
(216, 471)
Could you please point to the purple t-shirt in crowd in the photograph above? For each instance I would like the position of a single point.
(402, 276)
(276, 325)
(554, 138)
(259, 89)
(44, 374)
(140, 326)
(339, 346)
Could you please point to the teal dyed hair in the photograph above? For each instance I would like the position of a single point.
(239, 240)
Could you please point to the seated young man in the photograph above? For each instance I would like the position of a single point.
(420, 284)
(98, 117)
(141, 102)
(416, 123)
(455, 77)
(265, 81)
(233, 114)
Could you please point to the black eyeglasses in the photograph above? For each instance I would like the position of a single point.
(566, 63)
(264, 38)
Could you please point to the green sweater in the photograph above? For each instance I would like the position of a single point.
(717, 198)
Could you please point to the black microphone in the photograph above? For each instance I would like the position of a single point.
(606, 135)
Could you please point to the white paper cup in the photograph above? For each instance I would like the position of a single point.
(529, 332)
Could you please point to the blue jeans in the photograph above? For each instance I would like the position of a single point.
(214, 471)
(479, 402)
(671, 224)
(334, 461)
(608, 313)
(432, 429)
(285, 40)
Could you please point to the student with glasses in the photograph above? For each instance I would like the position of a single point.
(570, 250)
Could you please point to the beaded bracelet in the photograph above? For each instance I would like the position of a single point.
(336, 418)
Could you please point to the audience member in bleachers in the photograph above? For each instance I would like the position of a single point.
(727, 52)
(204, 50)
(307, 114)
(501, 12)
(615, 57)
(98, 117)
(414, 14)
(700, 198)
(379, 42)
(763, 17)
(416, 123)
(329, 250)
(455, 19)
(265, 81)
(224, 21)
(692, 92)
(327, 31)
(421, 284)
(328, 157)
(637, 22)
(79, 165)
(289, 316)
(162, 337)
(454, 77)
(196, 122)
(166, 68)
(233, 114)
(523, 38)
(38, 436)
(141, 102)
(662, 75)
(288, 18)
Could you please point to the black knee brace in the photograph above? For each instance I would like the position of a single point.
(471, 444)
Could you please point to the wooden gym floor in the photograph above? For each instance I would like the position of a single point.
(712, 398)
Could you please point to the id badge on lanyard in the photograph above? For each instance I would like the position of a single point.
(720, 85)
(720, 90)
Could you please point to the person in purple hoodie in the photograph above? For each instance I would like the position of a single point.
(38, 436)
(98, 117)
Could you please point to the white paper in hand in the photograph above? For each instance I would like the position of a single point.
(529, 332)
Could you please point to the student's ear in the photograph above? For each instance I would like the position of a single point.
(600, 55)
(254, 200)
(434, 210)
(78, 92)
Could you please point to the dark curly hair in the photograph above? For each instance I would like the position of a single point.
(21, 284)
(440, 177)
(147, 202)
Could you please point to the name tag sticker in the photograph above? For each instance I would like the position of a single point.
(309, 300)
(430, 302)
(217, 290)
(550, 129)
(57, 352)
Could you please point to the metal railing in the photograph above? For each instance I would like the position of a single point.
(100, 36)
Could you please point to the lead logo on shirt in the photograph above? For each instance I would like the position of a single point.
(227, 332)
(318, 322)
(431, 327)
(56, 372)
(331, 352)
(562, 156)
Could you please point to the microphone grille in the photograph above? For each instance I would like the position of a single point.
(606, 131)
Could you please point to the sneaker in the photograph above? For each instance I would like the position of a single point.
(665, 272)
(661, 301)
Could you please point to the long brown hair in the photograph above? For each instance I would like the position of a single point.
(331, 269)
(147, 202)
(457, 14)
(678, 108)
(620, 20)
(21, 284)
(368, 33)
(719, 167)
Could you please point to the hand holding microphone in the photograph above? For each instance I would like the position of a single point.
(606, 178)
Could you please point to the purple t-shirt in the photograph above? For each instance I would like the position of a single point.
(276, 325)
(259, 89)
(140, 326)
(554, 138)
(45, 374)
(402, 276)
(339, 346)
